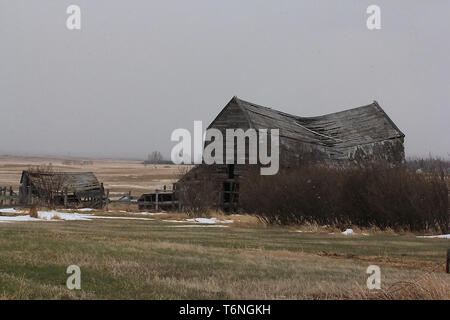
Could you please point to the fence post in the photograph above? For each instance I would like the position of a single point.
(173, 200)
(10, 195)
(156, 201)
(107, 200)
(231, 197)
(102, 194)
(30, 196)
(65, 200)
(447, 267)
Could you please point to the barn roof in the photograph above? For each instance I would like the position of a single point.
(357, 126)
(72, 181)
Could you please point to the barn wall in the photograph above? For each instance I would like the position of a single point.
(391, 150)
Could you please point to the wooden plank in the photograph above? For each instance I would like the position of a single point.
(447, 267)
(107, 200)
(11, 193)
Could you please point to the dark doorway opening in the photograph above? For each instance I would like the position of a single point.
(230, 170)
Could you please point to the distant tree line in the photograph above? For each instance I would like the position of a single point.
(429, 165)
(77, 162)
(156, 157)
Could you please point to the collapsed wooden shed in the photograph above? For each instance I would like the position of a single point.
(71, 189)
(352, 136)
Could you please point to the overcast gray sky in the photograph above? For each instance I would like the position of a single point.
(139, 69)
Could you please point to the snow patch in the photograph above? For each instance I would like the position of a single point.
(17, 218)
(121, 218)
(10, 210)
(47, 216)
(198, 226)
(348, 232)
(151, 213)
(51, 215)
(56, 215)
(209, 220)
(441, 236)
(85, 209)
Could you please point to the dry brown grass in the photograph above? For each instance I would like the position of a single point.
(33, 212)
(431, 286)
(242, 220)
(316, 228)
(173, 216)
(427, 287)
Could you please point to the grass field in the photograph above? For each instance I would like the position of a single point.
(158, 259)
(131, 259)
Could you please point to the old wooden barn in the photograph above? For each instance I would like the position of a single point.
(351, 136)
(72, 189)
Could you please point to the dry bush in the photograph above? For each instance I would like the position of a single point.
(49, 184)
(199, 194)
(373, 196)
(198, 198)
(33, 212)
(298, 196)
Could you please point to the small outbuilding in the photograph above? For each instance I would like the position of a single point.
(71, 189)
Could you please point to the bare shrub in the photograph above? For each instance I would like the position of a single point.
(34, 212)
(199, 194)
(48, 184)
(198, 198)
(56, 217)
(372, 196)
